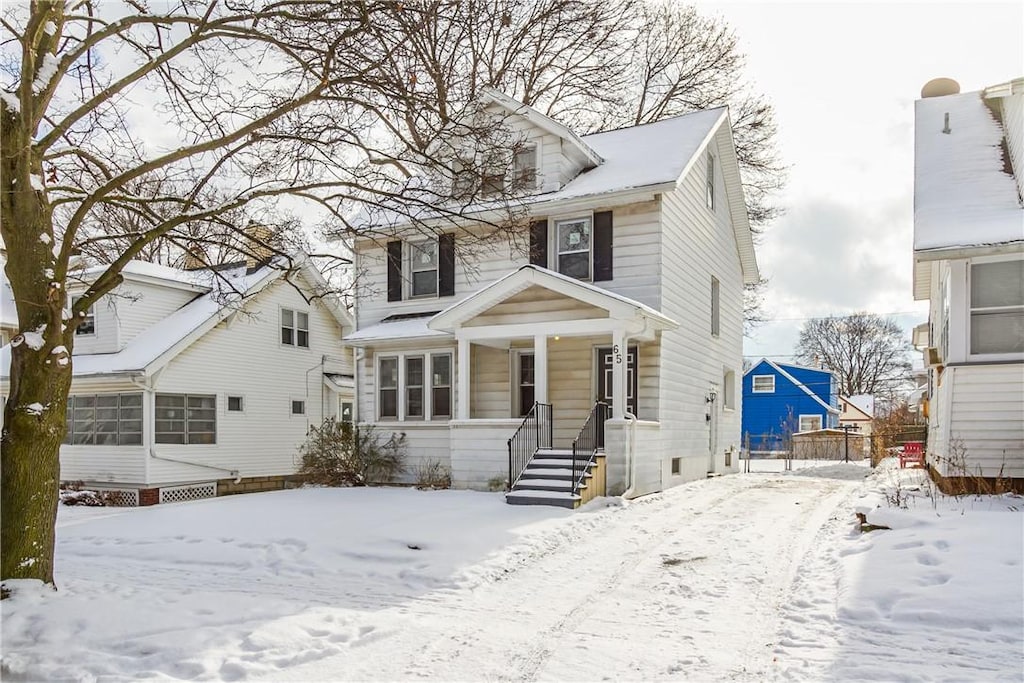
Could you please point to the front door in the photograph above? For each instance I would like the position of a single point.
(605, 362)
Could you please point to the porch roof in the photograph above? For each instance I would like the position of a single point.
(389, 330)
(619, 308)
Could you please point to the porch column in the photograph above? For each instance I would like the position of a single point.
(540, 368)
(462, 402)
(619, 356)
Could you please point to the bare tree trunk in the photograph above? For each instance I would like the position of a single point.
(40, 373)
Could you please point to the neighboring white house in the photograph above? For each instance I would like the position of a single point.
(183, 389)
(631, 292)
(969, 264)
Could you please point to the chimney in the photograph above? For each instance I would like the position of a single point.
(195, 258)
(259, 246)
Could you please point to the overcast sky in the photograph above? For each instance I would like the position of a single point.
(843, 78)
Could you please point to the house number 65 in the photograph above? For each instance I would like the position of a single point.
(618, 356)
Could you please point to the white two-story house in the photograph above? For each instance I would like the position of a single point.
(624, 294)
(969, 265)
(193, 383)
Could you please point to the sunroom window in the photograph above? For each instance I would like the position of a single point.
(997, 307)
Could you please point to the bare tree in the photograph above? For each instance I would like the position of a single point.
(867, 353)
(126, 132)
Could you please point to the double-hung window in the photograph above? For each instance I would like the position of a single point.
(104, 420)
(710, 181)
(810, 423)
(573, 242)
(526, 382)
(716, 307)
(524, 167)
(424, 385)
(294, 328)
(387, 383)
(764, 384)
(423, 268)
(186, 419)
(441, 385)
(997, 307)
(414, 387)
(88, 324)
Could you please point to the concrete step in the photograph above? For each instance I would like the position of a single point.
(555, 498)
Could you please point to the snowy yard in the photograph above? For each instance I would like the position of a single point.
(745, 577)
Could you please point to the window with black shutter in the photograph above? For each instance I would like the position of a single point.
(602, 246)
(539, 243)
(395, 271)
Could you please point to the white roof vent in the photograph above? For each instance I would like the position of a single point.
(940, 87)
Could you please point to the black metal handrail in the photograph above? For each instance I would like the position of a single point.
(536, 432)
(588, 442)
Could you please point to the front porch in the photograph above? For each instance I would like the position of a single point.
(542, 363)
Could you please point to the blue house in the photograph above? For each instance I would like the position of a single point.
(780, 399)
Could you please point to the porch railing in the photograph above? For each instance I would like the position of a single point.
(588, 442)
(536, 431)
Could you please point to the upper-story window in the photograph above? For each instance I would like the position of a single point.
(997, 307)
(88, 324)
(573, 243)
(764, 384)
(423, 268)
(294, 328)
(716, 307)
(524, 167)
(710, 183)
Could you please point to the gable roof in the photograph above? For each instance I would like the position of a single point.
(156, 346)
(965, 201)
(542, 121)
(652, 157)
(780, 368)
(618, 306)
(852, 405)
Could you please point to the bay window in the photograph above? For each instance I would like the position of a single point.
(425, 385)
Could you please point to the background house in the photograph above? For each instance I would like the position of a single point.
(189, 384)
(858, 412)
(969, 265)
(625, 286)
(781, 399)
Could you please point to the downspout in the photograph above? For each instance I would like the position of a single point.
(630, 492)
(150, 447)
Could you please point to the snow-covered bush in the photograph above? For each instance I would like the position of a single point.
(340, 454)
(75, 494)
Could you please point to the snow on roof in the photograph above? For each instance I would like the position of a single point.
(412, 328)
(962, 195)
(191, 278)
(642, 156)
(165, 335)
(865, 403)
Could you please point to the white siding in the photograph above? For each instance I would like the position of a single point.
(978, 415)
(139, 306)
(479, 452)
(698, 244)
(126, 311)
(243, 356)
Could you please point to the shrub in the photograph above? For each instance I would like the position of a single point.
(499, 482)
(74, 493)
(341, 454)
(431, 474)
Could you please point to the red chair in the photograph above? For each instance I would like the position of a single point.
(913, 453)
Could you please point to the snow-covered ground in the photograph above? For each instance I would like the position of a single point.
(747, 577)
